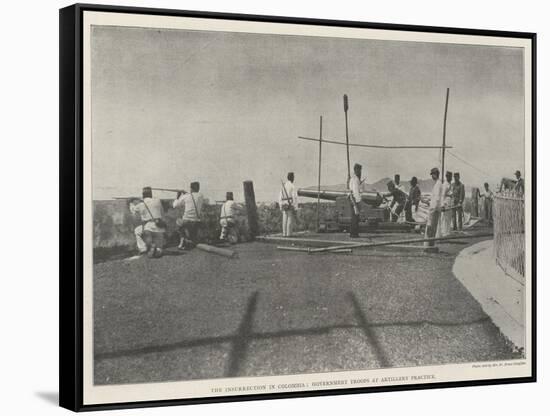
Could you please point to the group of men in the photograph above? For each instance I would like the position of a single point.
(403, 201)
(487, 196)
(150, 234)
(445, 210)
(447, 199)
(446, 204)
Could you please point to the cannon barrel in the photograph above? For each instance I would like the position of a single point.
(369, 197)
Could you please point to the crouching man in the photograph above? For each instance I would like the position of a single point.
(190, 222)
(398, 202)
(227, 220)
(150, 234)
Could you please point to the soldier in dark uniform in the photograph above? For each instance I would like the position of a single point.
(413, 200)
(519, 187)
(458, 199)
(399, 198)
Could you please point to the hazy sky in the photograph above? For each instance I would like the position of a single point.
(172, 106)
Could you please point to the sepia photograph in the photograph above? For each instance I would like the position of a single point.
(275, 208)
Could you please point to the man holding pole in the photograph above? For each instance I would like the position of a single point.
(288, 202)
(150, 234)
(355, 199)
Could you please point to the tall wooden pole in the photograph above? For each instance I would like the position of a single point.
(347, 137)
(444, 134)
(319, 177)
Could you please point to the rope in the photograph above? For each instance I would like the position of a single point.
(467, 163)
(374, 146)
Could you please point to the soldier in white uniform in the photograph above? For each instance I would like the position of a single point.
(434, 210)
(446, 217)
(152, 226)
(227, 220)
(355, 199)
(190, 222)
(288, 202)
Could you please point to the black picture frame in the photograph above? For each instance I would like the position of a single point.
(71, 202)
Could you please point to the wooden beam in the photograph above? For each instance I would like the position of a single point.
(303, 241)
(319, 177)
(346, 106)
(444, 136)
(217, 250)
(251, 208)
(308, 250)
(406, 241)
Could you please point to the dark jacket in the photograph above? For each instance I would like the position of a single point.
(414, 195)
(458, 193)
(399, 197)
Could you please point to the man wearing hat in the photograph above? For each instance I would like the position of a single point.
(397, 182)
(150, 234)
(227, 220)
(458, 199)
(355, 199)
(288, 202)
(445, 219)
(519, 187)
(190, 222)
(434, 209)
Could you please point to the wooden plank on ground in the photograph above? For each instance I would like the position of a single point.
(217, 250)
(406, 241)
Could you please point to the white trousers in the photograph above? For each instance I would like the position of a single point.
(288, 222)
(229, 231)
(140, 229)
(445, 224)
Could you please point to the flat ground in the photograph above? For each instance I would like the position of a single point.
(269, 312)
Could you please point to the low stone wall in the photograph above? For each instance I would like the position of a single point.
(270, 216)
(114, 224)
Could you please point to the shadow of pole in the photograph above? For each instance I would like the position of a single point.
(366, 327)
(241, 339)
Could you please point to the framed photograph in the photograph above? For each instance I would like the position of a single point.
(256, 207)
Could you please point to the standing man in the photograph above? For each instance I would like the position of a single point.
(487, 196)
(399, 198)
(227, 220)
(288, 201)
(458, 200)
(434, 210)
(397, 182)
(413, 200)
(355, 200)
(445, 219)
(519, 187)
(150, 234)
(190, 222)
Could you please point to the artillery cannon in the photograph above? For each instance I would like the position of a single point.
(372, 198)
(371, 215)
